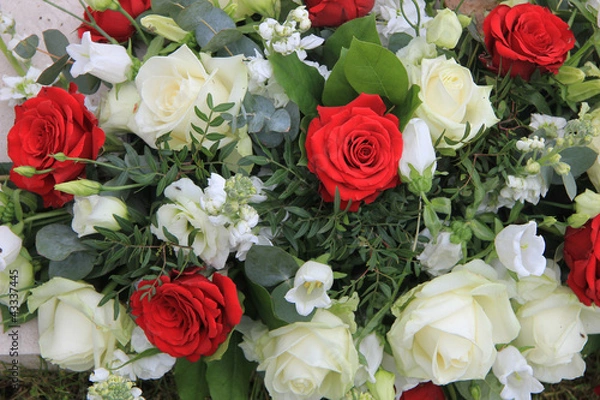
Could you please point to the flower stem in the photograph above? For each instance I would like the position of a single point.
(12, 60)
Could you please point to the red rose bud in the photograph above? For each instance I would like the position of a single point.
(424, 391)
(187, 315)
(582, 256)
(336, 12)
(355, 150)
(55, 121)
(525, 37)
(115, 24)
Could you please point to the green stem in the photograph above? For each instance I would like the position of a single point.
(12, 60)
(133, 22)
(48, 214)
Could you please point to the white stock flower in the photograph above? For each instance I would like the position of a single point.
(94, 210)
(554, 126)
(451, 100)
(10, 246)
(417, 150)
(109, 62)
(446, 329)
(311, 283)
(521, 250)
(519, 189)
(262, 82)
(515, 374)
(400, 16)
(309, 360)
(75, 333)
(440, 255)
(171, 86)
(17, 88)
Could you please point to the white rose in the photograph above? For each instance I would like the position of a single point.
(447, 328)
(117, 108)
(95, 210)
(521, 250)
(309, 360)
(10, 246)
(553, 332)
(444, 30)
(75, 333)
(18, 275)
(109, 62)
(185, 217)
(451, 100)
(417, 151)
(440, 255)
(171, 86)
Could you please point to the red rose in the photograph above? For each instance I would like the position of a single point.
(582, 255)
(55, 121)
(525, 37)
(114, 23)
(187, 315)
(336, 12)
(354, 148)
(424, 391)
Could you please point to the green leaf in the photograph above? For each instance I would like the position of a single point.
(360, 28)
(268, 266)
(337, 90)
(579, 158)
(190, 379)
(432, 221)
(51, 73)
(289, 70)
(75, 267)
(56, 242)
(481, 230)
(229, 377)
(371, 68)
(442, 205)
(56, 43)
(221, 39)
(27, 47)
(263, 303)
(285, 310)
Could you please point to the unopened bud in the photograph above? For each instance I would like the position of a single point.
(25, 171)
(102, 5)
(569, 75)
(165, 27)
(81, 187)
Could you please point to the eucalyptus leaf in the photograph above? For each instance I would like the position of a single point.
(263, 303)
(56, 43)
(285, 310)
(580, 159)
(76, 266)
(279, 121)
(170, 7)
(268, 266)
(244, 45)
(56, 242)
(221, 39)
(49, 75)
(27, 47)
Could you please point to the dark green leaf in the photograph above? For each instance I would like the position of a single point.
(56, 242)
(52, 72)
(27, 47)
(361, 28)
(268, 266)
(56, 43)
(190, 379)
(75, 267)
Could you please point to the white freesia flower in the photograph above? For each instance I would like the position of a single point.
(10, 246)
(22, 270)
(440, 255)
(109, 62)
(171, 86)
(75, 333)
(446, 329)
(309, 360)
(521, 250)
(95, 210)
(451, 100)
(311, 283)
(554, 329)
(417, 151)
(515, 374)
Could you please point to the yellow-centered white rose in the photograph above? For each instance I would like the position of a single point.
(171, 86)
(75, 333)
(446, 329)
(451, 100)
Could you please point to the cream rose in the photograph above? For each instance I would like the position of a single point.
(171, 86)
(75, 333)
(309, 360)
(446, 329)
(451, 100)
(95, 210)
(118, 107)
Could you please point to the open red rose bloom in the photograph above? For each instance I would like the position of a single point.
(187, 315)
(114, 23)
(355, 149)
(582, 255)
(336, 12)
(55, 121)
(522, 38)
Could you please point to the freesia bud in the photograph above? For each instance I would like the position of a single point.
(165, 27)
(445, 29)
(102, 5)
(81, 187)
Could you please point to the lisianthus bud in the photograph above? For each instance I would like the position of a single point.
(165, 27)
(445, 29)
(26, 171)
(569, 75)
(383, 388)
(81, 187)
(102, 5)
(418, 155)
(587, 205)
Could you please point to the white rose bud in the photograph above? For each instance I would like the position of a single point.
(95, 210)
(109, 62)
(418, 162)
(445, 29)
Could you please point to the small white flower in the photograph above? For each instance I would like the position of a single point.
(10, 246)
(109, 62)
(17, 88)
(554, 126)
(521, 250)
(515, 374)
(311, 283)
(371, 347)
(440, 255)
(99, 375)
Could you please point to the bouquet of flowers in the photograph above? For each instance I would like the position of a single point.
(342, 199)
